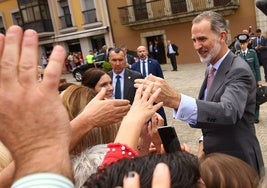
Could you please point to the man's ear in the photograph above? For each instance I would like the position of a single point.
(223, 36)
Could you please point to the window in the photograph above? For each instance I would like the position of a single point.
(44, 9)
(35, 14)
(65, 18)
(89, 12)
(30, 10)
(140, 10)
(16, 17)
(33, 10)
(178, 6)
(2, 26)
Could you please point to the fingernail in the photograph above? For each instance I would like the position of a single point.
(130, 174)
(161, 168)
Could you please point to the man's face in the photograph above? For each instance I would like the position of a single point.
(142, 52)
(117, 61)
(243, 45)
(206, 42)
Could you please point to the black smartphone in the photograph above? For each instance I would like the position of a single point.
(169, 139)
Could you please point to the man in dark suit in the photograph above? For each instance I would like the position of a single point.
(127, 76)
(172, 52)
(260, 45)
(128, 58)
(156, 51)
(227, 99)
(146, 66)
(152, 66)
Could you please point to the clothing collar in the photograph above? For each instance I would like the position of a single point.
(246, 51)
(121, 74)
(146, 60)
(219, 62)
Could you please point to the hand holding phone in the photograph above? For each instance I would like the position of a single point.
(169, 139)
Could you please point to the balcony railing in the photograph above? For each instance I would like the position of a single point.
(40, 26)
(159, 10)
(89, 16)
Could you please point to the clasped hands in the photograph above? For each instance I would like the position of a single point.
(168, 95)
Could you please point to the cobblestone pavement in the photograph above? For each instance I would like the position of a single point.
(187, 80)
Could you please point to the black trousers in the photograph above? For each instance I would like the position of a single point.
(173, 61)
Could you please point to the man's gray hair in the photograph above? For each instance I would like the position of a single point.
(217, 22)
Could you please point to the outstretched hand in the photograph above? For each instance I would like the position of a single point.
(103, 112)
(168, 95)
(140, 112)
(33, 121)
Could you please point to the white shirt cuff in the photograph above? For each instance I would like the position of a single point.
(43, 180)
(187, 110)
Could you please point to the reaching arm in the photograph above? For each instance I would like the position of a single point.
(127, 137)
(27, 127)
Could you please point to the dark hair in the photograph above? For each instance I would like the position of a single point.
(91, 77)
(64, 86)
(221, 170)
(258, 31)
(116, 50)
(184, 170)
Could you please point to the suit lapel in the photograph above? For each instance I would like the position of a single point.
(127, 77)
(138, 64)
(220, 75)
(149, 67)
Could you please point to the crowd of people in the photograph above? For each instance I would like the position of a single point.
(103, 133)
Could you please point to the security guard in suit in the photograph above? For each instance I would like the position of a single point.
(250, 56)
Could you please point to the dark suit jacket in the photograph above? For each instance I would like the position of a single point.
(130, 59)
(129, 89)
(175, 48)
(154, 67)
(227, 121)
(252, 59)
(263, 51)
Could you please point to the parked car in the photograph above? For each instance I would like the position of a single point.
(79, 70)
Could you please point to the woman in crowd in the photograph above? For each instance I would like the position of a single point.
(122, 155)
(95, 79)
(85, 158)
(221, 170)
(75, 98)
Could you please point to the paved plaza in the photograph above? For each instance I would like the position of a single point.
(187, 80)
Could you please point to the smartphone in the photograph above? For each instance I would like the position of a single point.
(169, 139)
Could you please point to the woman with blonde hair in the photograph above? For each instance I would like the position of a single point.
(75, 98)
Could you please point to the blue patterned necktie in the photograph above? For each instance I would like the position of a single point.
(118, 88)
(144, 68)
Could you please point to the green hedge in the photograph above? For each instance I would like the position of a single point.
(106, 66)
